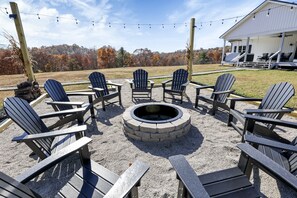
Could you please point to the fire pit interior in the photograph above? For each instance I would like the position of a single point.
(156, 122)
(156, 113)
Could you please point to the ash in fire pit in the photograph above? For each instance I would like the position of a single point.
(156, 122)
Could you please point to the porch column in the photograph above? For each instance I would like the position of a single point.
(246, 49)
(281, 47)
(223, 51)
(237, 48)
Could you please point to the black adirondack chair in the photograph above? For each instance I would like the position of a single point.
(284, 153)
(271, 107)
(221, 90)
(100, 87)
(178, 82)
(91, 180)
(140, 85)
(60, 100)
(232, 182)
(37, 135)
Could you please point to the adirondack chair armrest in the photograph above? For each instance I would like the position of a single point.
(165, 82)
(95, 88)
(64, 103)
(114, 84)
(245, 99)
(85, 93)
(268, 165)
(185, 84)
(205, 87)
(223, 92)
(270, 121)
(75, 129)
(130, 178)
(151, 82)
(250, 138)
(63, 113)
(187, 176)
(53, 160)
(259, 111)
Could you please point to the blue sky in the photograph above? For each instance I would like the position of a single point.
(47, 31)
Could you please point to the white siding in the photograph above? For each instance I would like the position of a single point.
(281, 19)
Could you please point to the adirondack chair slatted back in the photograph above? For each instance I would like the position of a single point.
(140, 79)
(9, 187)
(224, 82)
(24, 115)
(180, 77)
(97, 80)
(57, 93)
(276, 97)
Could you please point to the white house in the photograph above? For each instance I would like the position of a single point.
(269, 32)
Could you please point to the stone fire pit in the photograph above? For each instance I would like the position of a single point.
(156, 122)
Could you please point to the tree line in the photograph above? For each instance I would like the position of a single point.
(73, 57)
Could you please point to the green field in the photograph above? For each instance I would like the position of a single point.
(248, 83)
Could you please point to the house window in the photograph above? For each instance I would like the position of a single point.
(241, 49)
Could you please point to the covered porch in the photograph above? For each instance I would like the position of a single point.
(265, 38)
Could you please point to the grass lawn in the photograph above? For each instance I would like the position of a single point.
(256, 83)
(248, 83)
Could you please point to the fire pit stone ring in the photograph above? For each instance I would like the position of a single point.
(154, 122)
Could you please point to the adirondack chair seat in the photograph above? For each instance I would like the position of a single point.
(178, 84)
(271, 106)
(60, 100)
(221, 90)
(100, 86)
(140, 85)
(232, 182)
(37, 136)
(91, 180)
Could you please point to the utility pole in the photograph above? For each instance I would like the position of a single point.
(21, 35)
(191, 48)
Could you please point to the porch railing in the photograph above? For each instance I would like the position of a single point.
(271, 57)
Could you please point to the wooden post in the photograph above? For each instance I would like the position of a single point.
(19, 28)
(190, 62)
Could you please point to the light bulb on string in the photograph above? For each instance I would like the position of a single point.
(109, 24)
(76, 22)
(124, 25)
(236, 19)
(150, 26)
(138, 26)
(254, 17)
(6, 10)
(210, 23)
(38, 16)
(292, 8)
(93, 23)
(222, 21)
(57, 19)
(162, 25)
(174, 25)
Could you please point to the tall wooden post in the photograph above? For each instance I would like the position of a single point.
(19, 28)
(190, 62)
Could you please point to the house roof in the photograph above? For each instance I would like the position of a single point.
(257, 10)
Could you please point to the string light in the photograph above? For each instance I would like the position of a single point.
(222, 21)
